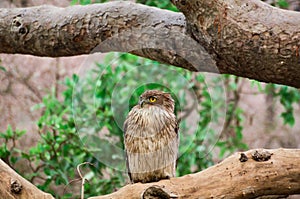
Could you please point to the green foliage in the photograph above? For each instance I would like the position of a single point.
(279, 3)
(282, 4)
(2, 67)
(86, 2)
(59, 150)
(195, 155)
(288, 97)
(160, 4)
(8, 140)
(232, 136)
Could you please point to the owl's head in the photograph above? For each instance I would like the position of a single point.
(156, 98)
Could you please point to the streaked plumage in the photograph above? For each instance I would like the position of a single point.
(151, 138)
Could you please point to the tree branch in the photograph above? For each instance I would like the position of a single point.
(243, 175)
(12, 185)
(245, 38)
(115, 26)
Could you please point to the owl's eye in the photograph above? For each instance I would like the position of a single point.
(152, 99)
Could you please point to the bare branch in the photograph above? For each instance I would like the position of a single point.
(251, 174)
(245, 38)
(115, 26)
(12, 185)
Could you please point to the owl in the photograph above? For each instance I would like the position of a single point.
(151, 138)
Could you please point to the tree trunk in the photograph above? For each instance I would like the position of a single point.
(247, 38)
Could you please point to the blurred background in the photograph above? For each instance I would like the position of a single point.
(56, 113)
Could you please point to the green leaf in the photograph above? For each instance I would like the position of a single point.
(9, 132)
(4, 152)
(283, 3)
(13, 159)
(25, 155)
(288, 118)
(20, 133)
(3, 68)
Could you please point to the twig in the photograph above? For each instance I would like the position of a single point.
(82, 178)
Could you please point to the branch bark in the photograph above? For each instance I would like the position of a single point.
(251, 174)
(245, 175)
(115, 26)
(248, 38)
(12, 185)
(245, 38)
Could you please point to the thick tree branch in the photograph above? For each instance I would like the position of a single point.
(251, 174)
(116, 26)
(243, 175)
(245, 38)
(12, 185)
(248, 38)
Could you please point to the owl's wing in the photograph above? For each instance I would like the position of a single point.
(177, 132)
(126, 156)
(127, 166)
(177, 127)
(125, 127)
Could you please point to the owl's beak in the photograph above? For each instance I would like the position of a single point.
(142, 102)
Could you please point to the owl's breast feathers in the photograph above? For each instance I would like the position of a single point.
(151, 143)
(150, 123)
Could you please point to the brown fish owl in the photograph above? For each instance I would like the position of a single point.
(151, 138)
